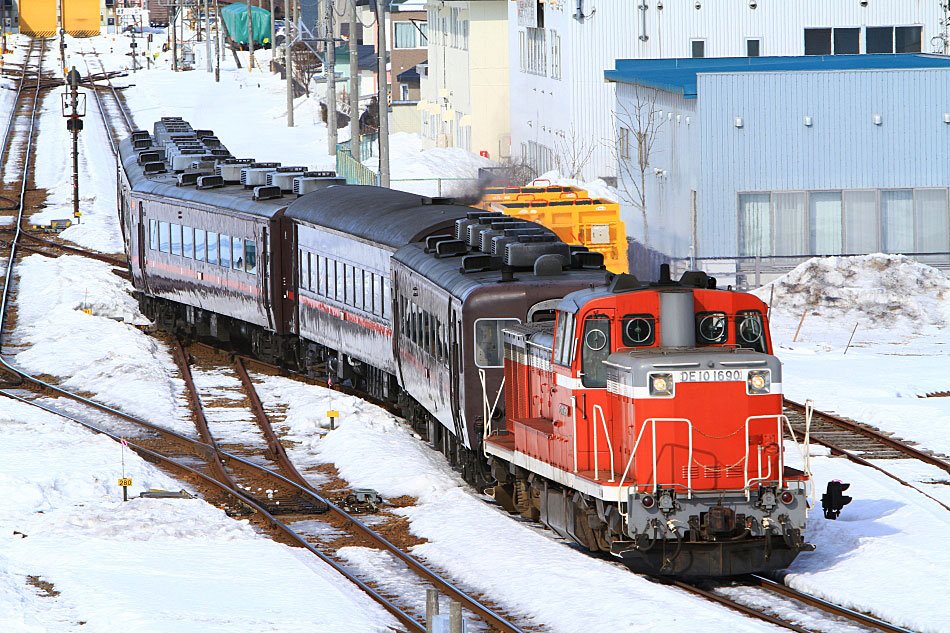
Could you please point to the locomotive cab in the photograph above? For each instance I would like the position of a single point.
(662, 406)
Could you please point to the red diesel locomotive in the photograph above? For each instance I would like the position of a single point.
(647, 422)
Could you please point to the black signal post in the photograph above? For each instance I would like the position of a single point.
(74, 108)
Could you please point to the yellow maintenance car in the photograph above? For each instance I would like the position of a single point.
(570, 212)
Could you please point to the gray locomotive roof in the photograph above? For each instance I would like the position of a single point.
(383, 216)
(233, 197)
(445, 273)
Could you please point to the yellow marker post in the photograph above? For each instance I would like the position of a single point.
(123, 481)
(333, 415)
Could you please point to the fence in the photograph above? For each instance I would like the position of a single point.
(367, 144)
(749, 272)
(355, 172)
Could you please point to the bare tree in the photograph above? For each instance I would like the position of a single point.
(637, 125)
(572, 153)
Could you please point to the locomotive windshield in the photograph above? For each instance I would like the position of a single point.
(564, 338)
(750, 330)
(637, 330)
(595, 350)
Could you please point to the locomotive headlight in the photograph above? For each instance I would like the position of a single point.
(787, 497)
(759, 381)
(661, 384)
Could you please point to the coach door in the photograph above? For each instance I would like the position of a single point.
(284, 248)
(142, 239)
(455, 366)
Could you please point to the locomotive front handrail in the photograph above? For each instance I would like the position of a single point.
(610, 447)
(779, 418)
(689, 472)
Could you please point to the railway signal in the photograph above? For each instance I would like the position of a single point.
(832, 501)
(74, 108)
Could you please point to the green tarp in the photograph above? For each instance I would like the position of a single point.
(235, 19)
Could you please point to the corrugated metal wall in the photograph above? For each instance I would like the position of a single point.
(843, 149)
(81, 17)
(543, 107)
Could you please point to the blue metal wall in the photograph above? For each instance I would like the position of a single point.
(843, 149)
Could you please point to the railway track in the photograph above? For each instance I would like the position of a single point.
(235, 483)
(811, 614)
(346, 529)
(860, 443)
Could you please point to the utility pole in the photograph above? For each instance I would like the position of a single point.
(273, 35)
(174, 37)
(74, 125)
(330, 44)
(217, 42)
(250, 38)
(208, 38)
(354, 87)
(383, 98)
(289, 27)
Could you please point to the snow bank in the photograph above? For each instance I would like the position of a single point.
(877, 289)
(95, 352)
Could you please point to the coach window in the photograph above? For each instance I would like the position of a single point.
(200, 252)
(358, 288)
(176, 239)
(489, 351)
(595, 350)
(163, 237)
(340, 282)
(188, 242)
(212, 247)
(637, 330)
(224, 250)
(237, 251)
(368, 291)
(250, 257)
(153, 234)
(711, 328)
(387, 298)
(750, 332)
(564, 339)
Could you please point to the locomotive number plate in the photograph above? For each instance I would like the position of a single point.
(711, 375)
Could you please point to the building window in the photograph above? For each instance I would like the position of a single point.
(555, 55)
(537, 54)
(404, 92)
(847, 41)
(404, 35)
(880, 39)
(907, 39)
(524, 51)
(824, 216)
(754, 224)
(623, 141)
(800, 223)
(697, 48)
(753, 48)
(818, 41)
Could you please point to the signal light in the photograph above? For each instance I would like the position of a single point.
(832, 501)
(648, 501)
(787, 497)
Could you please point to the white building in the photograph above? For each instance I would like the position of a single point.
(464, 85)
(562, 109)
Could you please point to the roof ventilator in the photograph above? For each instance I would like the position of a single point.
(586, 260)
(472, 217)
(524, 254)
(450, 248)
(306, 184)
(478, 263)
(209, 182)
(187, 179)
(267, 193)
(433, 240)
(156, 167)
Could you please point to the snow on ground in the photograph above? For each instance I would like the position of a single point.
(126, 570)
(146, 565)
(900, 349)
(101, 352)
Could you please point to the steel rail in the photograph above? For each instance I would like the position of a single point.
(102, 257)
(850, 456)
(875, 435)
(738, 607)
(419, 568)
(146, 453)
(826, 606)
(274, 446)
(8, 278)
